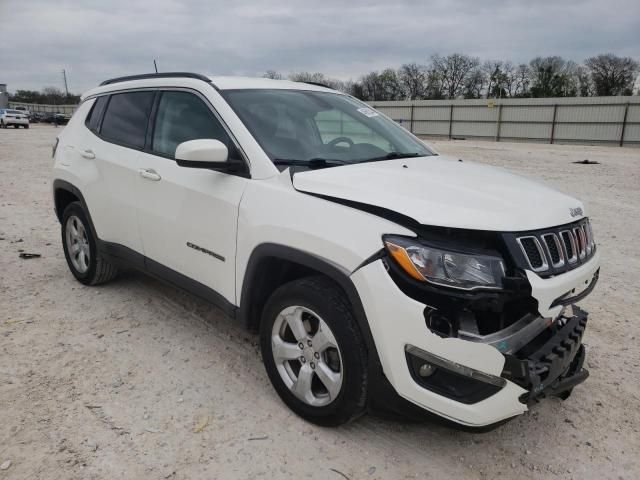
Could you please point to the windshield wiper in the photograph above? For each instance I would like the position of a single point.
(392, 156)
(311, 163)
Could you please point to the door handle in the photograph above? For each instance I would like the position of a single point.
(88, 154)
(150, 174)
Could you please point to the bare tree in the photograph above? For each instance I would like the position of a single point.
(553, 77)
(381, 86)
(454, 70)
(518, 80)
(434, 89)
(413, 79)
(273, 75)
(474, 86)
(585, 84)
(612, 75)
(315, 77)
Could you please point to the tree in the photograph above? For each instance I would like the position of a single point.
(272, 74)
(519, 80)
(475, 83)
(553, 77)
(380, 86)
(49, 95)
(612, 75)
(454, 71)
(413, 81)
(434, 89)
(585, 84)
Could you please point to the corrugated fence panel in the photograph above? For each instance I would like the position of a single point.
(468, 129)
(562, 120)
(633, 114)
(522, 130)
(588, 132)
(431, 128)
(632, 134)
(527, 113)
(590, 113)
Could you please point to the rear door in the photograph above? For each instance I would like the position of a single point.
(112, 146)
(188, 216)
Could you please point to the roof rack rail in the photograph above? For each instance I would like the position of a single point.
(318, 84)
(144, 76)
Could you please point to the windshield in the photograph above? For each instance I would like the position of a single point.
(320, 128)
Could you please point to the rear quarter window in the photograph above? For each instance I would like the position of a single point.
(95, 114)
(126, 117)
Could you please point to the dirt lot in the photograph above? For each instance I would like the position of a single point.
(137, 380)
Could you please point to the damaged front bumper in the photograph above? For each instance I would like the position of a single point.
(518, 368)
(555, 365)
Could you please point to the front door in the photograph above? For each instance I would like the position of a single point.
(188, 216)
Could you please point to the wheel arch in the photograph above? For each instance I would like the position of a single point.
(271, 265)
(63, 194)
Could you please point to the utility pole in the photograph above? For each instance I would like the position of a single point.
(155, 65)
(64, 77)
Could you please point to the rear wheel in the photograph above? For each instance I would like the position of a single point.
(313, 351)
(80, 248)
(26, 126)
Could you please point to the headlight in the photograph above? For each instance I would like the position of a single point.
(466, 271)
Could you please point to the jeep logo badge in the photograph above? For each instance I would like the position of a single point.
(576, 212)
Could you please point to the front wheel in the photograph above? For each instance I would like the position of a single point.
(313, 351)
(80, 248)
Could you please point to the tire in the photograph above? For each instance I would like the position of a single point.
(26, 126)
(86, 264)
(322, 307)
(2, 125)
(16, 126)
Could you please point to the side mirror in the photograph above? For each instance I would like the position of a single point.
(203, 153)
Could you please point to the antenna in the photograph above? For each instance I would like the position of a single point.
(155, 65)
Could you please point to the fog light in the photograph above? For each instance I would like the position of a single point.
(450, 379)
(426, 370)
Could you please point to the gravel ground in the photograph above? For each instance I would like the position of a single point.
(135, 379)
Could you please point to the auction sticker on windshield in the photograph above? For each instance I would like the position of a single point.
(368, 112)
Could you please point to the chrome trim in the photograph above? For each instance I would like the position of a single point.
(512, 338)
(561, 261)
(589, 233)
(545, 265)
(581, 241)
(572, 240)
(455, 367)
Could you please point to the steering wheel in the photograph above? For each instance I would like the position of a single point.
(338, 140)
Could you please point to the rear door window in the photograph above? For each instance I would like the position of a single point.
(126, 118)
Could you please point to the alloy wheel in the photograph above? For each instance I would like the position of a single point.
(77, 244)
(307, 356)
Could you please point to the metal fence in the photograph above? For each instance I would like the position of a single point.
(579, 120)
(42, 108)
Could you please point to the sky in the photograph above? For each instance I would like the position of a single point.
(95, 40)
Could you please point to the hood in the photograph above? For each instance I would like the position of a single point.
(445, 192)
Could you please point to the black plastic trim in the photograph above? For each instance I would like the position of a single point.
(126, 257)
(64, 185)
(270, 250)
(145, 76)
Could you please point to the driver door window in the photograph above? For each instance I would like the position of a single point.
(181, 117)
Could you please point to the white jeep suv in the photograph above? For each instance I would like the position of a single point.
(377, 273)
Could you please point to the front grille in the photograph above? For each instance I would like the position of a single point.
(555, 250)
(531, 248)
